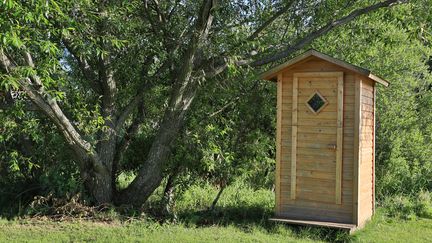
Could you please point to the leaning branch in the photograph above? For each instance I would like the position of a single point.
(84, 66)
(267, 23)
(48, 105)
(323, 30)
(128, 109)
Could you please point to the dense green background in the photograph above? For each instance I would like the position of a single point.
(228, 137)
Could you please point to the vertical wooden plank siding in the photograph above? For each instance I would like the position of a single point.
(367, 147)
(339, 134)
(285, 146)
(278, 140)
(294, 138)
(373, 156)
(357, 149)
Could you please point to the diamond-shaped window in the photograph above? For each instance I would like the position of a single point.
(316, 102)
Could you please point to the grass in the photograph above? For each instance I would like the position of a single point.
(37, 231)
(381, 229)
(241, 216)
(384, 229)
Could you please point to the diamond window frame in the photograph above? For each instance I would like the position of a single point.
(322, 97)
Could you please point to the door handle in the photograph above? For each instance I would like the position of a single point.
(331, 146)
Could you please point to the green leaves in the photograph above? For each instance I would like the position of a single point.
(14, 40)
(8, 82)
(8, 4)
(229, 133)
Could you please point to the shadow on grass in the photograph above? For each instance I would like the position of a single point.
(248, 219)
(251, 218)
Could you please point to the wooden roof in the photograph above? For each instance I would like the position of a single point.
(272, 73)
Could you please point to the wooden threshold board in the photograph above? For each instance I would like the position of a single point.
(350, 227)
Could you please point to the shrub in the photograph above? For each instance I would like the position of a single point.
(406, 207)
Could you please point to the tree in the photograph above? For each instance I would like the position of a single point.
(96, 69)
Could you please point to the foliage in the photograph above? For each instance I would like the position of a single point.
(33, 161)
(406, 207)
(228, 134)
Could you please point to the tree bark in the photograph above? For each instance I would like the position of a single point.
(168, 196)
(216, 199)
(98, 184)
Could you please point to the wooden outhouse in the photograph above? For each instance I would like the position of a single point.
(325, 143)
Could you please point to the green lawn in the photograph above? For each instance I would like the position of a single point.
(381, 229)
(33, 231)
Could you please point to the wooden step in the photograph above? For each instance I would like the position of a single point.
(350, 227)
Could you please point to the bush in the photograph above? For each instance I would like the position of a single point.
(406, 207)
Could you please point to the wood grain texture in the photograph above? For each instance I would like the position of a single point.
(294, 138)
(278, 142)
(317, 169)
(357, 148)
(315, 223)
(331, 86)
(339, 143)
(285, 155)
(366, 197)
(374, 152)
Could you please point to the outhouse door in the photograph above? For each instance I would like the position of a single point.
(317, 137)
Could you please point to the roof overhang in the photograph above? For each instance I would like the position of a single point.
(272, 73)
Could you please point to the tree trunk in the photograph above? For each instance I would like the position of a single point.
(98, 185)
(183, 92)
(150, 175)
(102, 182)
(168, 196)
(216, 200)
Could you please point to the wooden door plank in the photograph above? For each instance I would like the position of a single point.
(294, 137)
(339, 139)
(278, 141)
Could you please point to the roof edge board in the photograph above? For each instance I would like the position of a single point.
(270, 74)
(378, 79)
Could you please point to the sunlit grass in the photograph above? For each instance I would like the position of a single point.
(241, 216)
(29, 231)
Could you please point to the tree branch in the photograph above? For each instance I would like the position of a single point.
(135, 101)
(84, 66)
(267, 23)
(323, 30)
(160, 14)
(212, 70)
(183, 92)
(109, 87)
(159, 24)
(124, 143)
(128, 109)
(48, 105)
